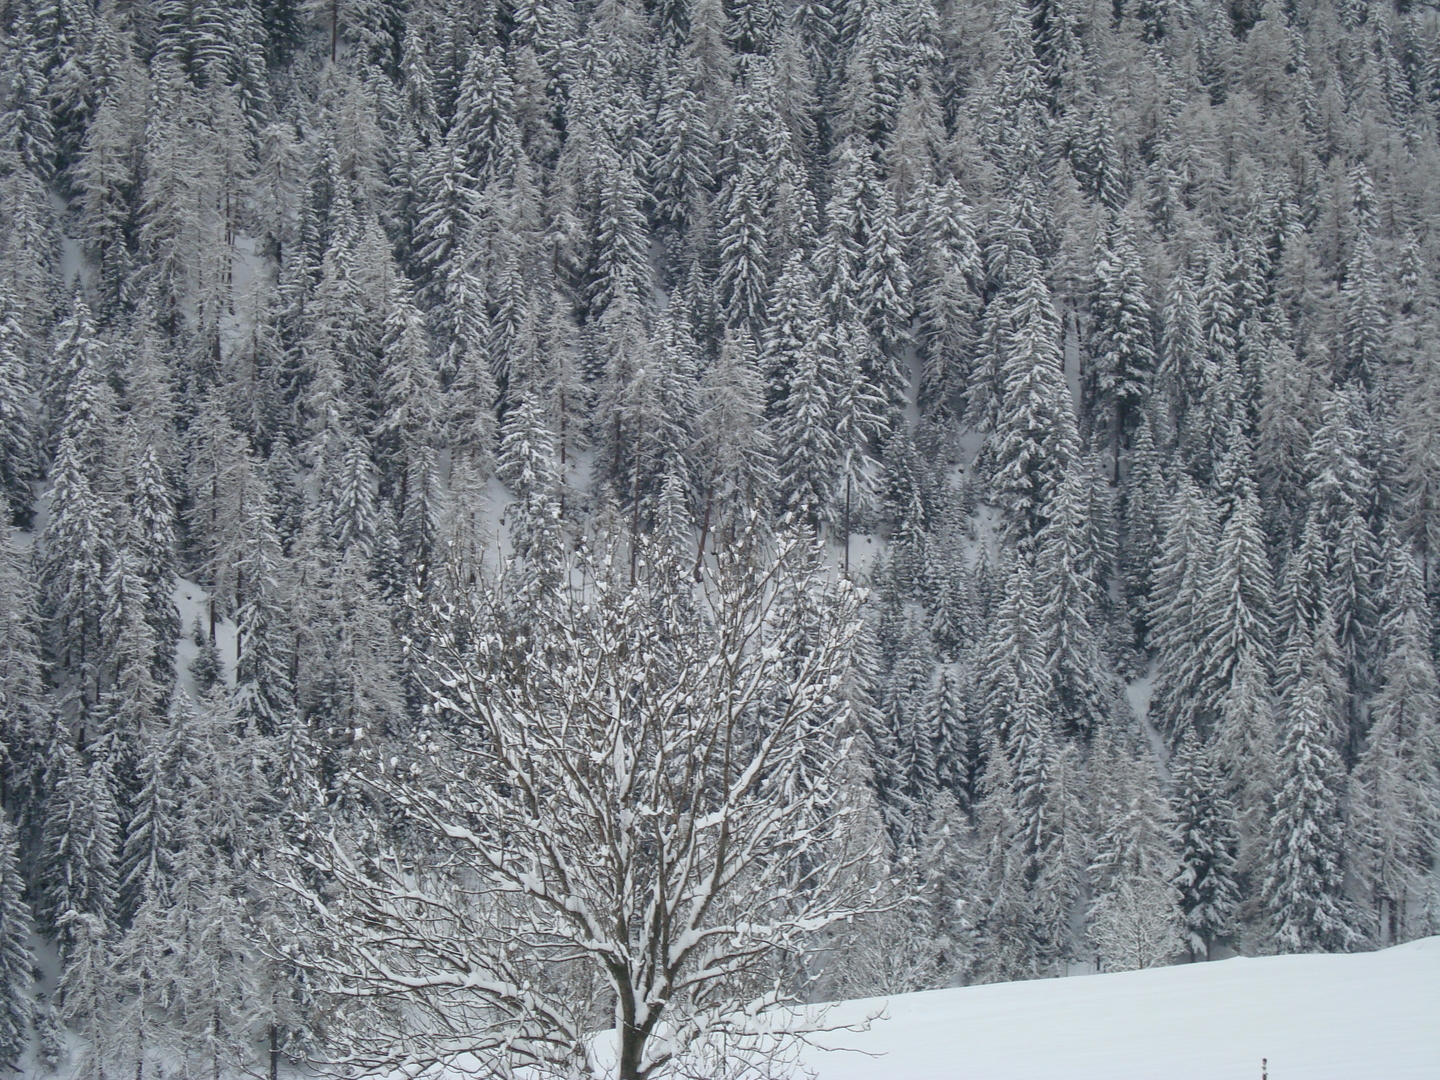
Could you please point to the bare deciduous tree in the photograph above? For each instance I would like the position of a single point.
(631, 797)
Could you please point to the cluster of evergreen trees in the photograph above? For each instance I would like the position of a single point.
(1112, 326)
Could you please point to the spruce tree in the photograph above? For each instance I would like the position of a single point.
(1134, 916)
(80, 843)
(1035, 439)
(1205, 823)
(19, 465)
(1121, 341)
(526, 464)
(17, 962)
(1182, 575)
(744, 269)
(26, 716)
(1067, 571)
(73, 574)
(1304, 884)
(948, 297)
(885, 296)
(1237, 605)
(1393, 811)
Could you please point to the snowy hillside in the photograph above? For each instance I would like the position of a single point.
(1312, 1017)
(528, 516)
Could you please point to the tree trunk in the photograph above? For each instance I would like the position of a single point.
(564, 477)
(1119, 430)
(635, 514)
(846, 526)
(632, 1035)
(274, 1052)
(632, 1045)
(704, 532)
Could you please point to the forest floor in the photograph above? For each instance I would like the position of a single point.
(1348, 1017)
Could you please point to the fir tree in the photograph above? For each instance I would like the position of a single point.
(150, 538)
(885, 296)
(206, 669)
(808, 452)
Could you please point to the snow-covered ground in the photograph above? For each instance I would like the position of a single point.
(1356, 1017)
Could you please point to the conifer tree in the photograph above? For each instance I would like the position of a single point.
(885, 296)
(73, 574)
(264, 686)
(1142, 498)
(1182, 576)
(1393, 811)
(27, 134)
(1303, 889)
(682, 169)
(1121, 341)
(1245, 751)
(840, 251)
(1364, 318)
(947, 283)
(621, 242)
(912, 773)
(409, 392)
(1035, 439)
(744, 269)
(1030, 803)
(446, 216)
(26, 730)
(1205, 823)
(17, 963)
(860, 413)
(947, 716)
(150, 538)
(1067, 566)
(1237, 605)
(354, 517)
(81, 839)
(19, 466)
(807, 448)
(526, 464)
(1182, 354)
(734, 447)
(1134, 913)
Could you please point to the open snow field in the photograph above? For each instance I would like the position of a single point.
(1357, 1017)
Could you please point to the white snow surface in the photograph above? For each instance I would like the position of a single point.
(1320, 1017)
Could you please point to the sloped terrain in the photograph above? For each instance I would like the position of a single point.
(1310, 1017)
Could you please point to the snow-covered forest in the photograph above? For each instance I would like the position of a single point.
(534, 517)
